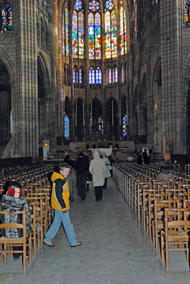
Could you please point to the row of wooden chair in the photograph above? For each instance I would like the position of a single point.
(151, 201)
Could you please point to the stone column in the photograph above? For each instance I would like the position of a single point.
(172, 74)
(26, 133)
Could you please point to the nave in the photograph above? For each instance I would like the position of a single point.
(115, 250)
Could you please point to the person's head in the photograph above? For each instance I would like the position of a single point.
(96, 154)
(64, 169)
(81, 154)
(14, 189)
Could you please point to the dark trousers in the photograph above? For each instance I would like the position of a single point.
(15, 248)
(81, 185)
(98, 192)
(105, 183)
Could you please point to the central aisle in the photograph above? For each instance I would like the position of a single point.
(115, 250)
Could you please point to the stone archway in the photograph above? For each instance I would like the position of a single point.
(157, 99)
(43, 107)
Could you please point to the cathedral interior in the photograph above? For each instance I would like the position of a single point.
(80, 75)
(95, 73)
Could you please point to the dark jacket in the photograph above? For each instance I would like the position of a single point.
(82, 165)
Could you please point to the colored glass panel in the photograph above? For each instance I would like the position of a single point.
(6, 18)
(110, 76)
(98, 76)
(135, 20)
(74, 79)
(63, 33)
(78, 5)
(66, 122)
(122, 41)
(97, 36)
(81, 35)
(66, 31)
(80, 76)
(115, 75)
(114, 34)
(187, 12)
(125, 123)
(107, 35)
(123, 31)
(94, 6)
(78, 30)
(109, 5)
(75, 35)
(91, 40)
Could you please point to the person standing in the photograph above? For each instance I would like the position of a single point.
(60, 203)
(107, 170)
(97, 169)
(82, 166)
(146, 158)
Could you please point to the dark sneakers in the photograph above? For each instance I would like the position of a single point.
(79, 243)
(48, 243)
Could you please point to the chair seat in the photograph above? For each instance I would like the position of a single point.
(11, 240)
(178, 234)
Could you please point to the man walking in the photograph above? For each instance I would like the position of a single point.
(60, 203)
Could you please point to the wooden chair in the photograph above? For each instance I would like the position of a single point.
(38, 217)
(158, 221)
(176, 233)
(9, 243)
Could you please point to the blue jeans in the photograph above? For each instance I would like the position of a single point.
(62, 216)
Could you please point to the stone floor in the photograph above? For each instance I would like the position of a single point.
(115, 250)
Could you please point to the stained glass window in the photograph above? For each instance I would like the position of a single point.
(135, 20)
(123, 30)
(78, 30)
(80, 76)
(6, 18)
(110, 81)
(125, 125)
(91, 76)
(122, 74)
(110, 30)
(94, 30)
(115, 74)
(98, 76)
(75, 75)
(66, 122)
(65, 29)
(187, 12)
(95, 76)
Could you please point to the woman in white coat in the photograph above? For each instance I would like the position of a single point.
(97, 168)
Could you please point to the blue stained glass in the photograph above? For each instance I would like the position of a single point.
(66, 121)
(94, 6)
(80, 76)
(78, 5)
(109, 5)
(6, 18)
(125, 123)
(74, 80)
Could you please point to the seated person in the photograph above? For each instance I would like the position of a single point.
(165, 174)
(14, 200)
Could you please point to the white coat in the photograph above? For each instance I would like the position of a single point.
(97, 168)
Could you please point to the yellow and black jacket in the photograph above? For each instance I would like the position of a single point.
(60, 192)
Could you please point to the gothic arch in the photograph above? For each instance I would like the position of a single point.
(43, 94)
(157, 105)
